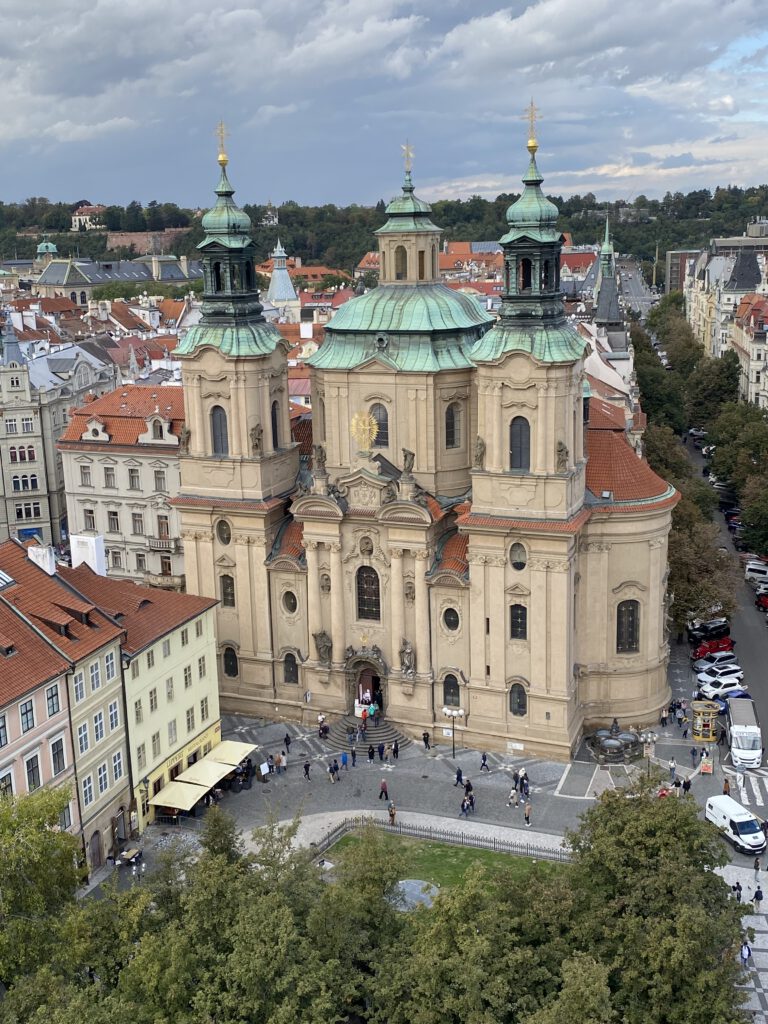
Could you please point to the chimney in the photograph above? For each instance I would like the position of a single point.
(184, 264)
(155, 268)
(43, 555)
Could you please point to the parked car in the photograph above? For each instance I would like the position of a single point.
(716, 658)
(760, 589)
(722, 702)
(755, 572)
(713, 629)
(761, 602)
(708, 450)
(721, 689)
(723, 643)
(719, 673)
(697, 432)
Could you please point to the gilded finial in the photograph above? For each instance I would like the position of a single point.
(364, 429)
(408, 155)
(222, 134)
(532, 114)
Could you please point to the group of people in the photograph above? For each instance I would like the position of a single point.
(521, 787)
(677, 710)
(279, 762)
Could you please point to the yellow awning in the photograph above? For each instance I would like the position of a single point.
(205, 773)
(230, 752)
(182, 795)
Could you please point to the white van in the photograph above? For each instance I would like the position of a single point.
(737, 824)
(756, 572)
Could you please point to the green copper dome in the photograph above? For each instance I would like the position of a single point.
(423, 307)
(532, 215)
(46, 247)
(407, 212)
(225, 222)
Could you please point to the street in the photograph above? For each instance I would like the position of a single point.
(637, 294)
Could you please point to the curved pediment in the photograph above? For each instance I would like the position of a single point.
(316, 506)
(405, 512)
(629, 585)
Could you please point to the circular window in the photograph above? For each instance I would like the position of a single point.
(223, 531)
(518, 556)
(451, 619)
(289, 602)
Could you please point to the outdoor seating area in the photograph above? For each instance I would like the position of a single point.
(228, 767)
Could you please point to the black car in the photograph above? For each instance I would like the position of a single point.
(711, 630)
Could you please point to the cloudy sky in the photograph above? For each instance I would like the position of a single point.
(113, 100)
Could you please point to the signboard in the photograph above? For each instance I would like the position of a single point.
(448, 733)
(264, 768)
(307, 696)
(706, 766)
(515, 746)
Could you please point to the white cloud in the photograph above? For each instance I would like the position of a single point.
(71, 131)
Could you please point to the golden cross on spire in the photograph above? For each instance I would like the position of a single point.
(408, 155)
(222, 134)
(532, 114)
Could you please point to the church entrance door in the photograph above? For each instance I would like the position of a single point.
(366, 684)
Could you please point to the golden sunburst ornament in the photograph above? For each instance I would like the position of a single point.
(364, 429)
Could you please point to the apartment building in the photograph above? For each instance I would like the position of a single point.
(77, 632)
(748, 341)
(120, 455)
(171, 685)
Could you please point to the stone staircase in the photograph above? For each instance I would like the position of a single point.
(385, 733)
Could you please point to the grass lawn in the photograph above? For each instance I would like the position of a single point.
(445, 865)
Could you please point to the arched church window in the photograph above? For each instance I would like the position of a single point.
(518, 622)
(524, 275)
(227, 584)
(236, 278)
(73, 297)
(83, 298)
(421, 265)
(219, 436)
(231, 667)
(546, 275)
(628, 627)
(453, 426)
(519, 443)
(290, 669)
(217, 276)
(518, 700)
(451, 692)
(401, 263)
(249, 276)
(275, 420)
(368, 598)
(381, 416)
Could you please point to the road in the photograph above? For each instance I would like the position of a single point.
(637, 295)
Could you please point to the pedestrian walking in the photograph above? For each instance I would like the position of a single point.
(484, 763)
(694, 755)
(686, 723)
(353, 755)
(746, 953)
(664, 716)
(285, 760)
(672, 769)
(677, 786)
(278, 763)
(383, 791)
(527, 813)
(425, 737)
(515, 779)
(679, 715)
(525, 787)
(686, 787)
(381, 751)
(336, 776)
(345, 760)
(471, 799)
(758, 899)
(287, 742)
(464, 807)
(459, 778)
(306, 770)
(721, 738)
(331, 773)
(737, 891)
(395, 750)
(392, 812)
(764, 827)
(358, 734)
(513, 795)
(467, 787)
(757, 868)
(726, 788)
(271, 763)
(371, 754)
(388, 752)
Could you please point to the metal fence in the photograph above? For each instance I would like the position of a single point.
(443, 835)
(179, 821)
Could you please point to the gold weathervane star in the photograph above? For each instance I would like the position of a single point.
(408, 155)
(222, 133)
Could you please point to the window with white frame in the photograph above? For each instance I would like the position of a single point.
(169, 688)
(172, 732)
(114, 716)
(160, 480)
(135, 669)
(109, 666)
(204, 709)
(201, 667)
(155, 744)
(95, 674)
(109, 476)
(137, 523)
(187, 676)
(65, 818)
(190, 719)
(3, 731)
(32, 770)
(141, 562)
(184, 637)
(117, 765)
(103, 776)
(87, 791)
(138, 711)
(52, 700)
(27, 425)
(141, 756)
(113, 521)
(98, 727)
(166, 648)
(150, 659)
(11, 426)
(83, 742)
(89, 519)
(6, 784)
(58, 757)
(133, 479)
(27, 715)
(153, 699)
(199, 628)
(79, 687)
(117, 558)
(85, 476)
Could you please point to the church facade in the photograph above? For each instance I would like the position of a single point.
(473, 530)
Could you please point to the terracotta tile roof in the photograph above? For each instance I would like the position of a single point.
(476, 521)
(123, 315)
(234, 504)
(639, 420)
(124, 413)
(577, 261)
(289, 542)
(171, 310)
(613, 466)
(599, 387)
(292, 334)
(145, 613)
(301, 431)
(46, 305)
(453, 557)
(369, 262)
(478, 287)
(435, 509)
(32, 662)
(53, 609)
(604, 416)
(299, 386)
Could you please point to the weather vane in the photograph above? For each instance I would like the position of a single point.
(532, 114)
(408, 154)
(222, 134)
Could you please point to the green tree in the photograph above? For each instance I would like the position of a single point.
(585, 995)
(740, 434)
(221, 836)
(701, 577)
(754, 513)
(713, 384)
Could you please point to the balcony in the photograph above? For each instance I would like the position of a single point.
(171, 544)
(165, 582)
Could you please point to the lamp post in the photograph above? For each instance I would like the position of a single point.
(453, 714)
(648, 738)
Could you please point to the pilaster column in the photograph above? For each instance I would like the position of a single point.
(337, 604)
(422, 644)
(398, 610)
(236, 440)
(244, 595)
(541, 429)
(199, 440)
(260, 585)
(498, 431)
(314, 617)
(477, 636)
(499, 625)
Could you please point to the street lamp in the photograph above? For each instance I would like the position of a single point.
(648, 739)
(453, 714)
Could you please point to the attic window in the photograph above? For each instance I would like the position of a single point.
(157, 430)
(7, 647)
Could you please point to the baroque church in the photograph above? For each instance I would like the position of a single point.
(473, 531)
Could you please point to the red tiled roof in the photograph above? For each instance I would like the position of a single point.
(301, 431)
(235, 504)
(46, 305)
(145, 613)
(479, 287)
(292, 334)
(51, 606)
(124, 413)
(577, 261)
(369, 262)
(639, 420)
(171, 309)
(453, 557)
(478, 521)
(290, 541)
(84, 211)
(32, 662)
(613, 466)
(435, 509)
(599, 387)
(604, 416)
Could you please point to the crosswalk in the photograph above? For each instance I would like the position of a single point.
(751, 786)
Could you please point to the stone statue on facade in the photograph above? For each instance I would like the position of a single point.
(479, 457)
(324, 646)
(185, 436)
(349, 652)
(410, 590)
(407, 658)
(318, 458)
(257, 439)
(408, 460)
(562, 457)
